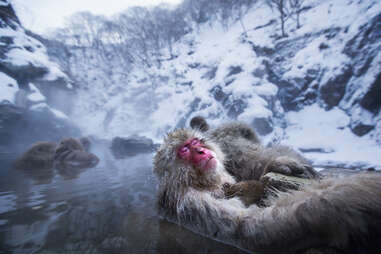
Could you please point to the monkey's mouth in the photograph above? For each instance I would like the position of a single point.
(210, 164)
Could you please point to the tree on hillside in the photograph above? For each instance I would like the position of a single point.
(282, 7)
(138, 33)
(297, 8)
(241, 7)
(171, 26)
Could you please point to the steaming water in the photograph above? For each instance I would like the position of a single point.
(107, 209)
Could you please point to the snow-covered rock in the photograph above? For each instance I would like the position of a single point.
(31, 86)
(8, 88)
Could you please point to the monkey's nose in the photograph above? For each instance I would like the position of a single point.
(200, 150)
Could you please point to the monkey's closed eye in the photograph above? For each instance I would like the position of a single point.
(195, 142)
(183, 150)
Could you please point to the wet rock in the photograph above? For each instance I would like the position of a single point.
(259, 72)
(210, 74)
(287, 93)
(194, 65)
(372, 99)
(130, 146)
(316, 150)
(361, 129)
(7, 15)
(333, 91)
(323, 46)
(233, 70)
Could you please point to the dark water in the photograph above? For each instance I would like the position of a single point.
(107, 209)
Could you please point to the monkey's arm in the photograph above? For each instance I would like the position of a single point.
(248, 161)
(337, 213)
(217, 218)
(284, 160)
(249, 192)
(332, 213)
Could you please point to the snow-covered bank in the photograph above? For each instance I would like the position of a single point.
(325, 139)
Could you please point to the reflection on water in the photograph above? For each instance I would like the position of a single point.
(107, 209)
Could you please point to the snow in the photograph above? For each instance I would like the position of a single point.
(43, 106)
(8, 87)
(59, 114)
(30, 51)
(164, 99)
(314, 128)
(35, 95)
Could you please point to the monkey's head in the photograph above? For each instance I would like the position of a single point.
(86, 143)
(66, 145)
(187, 159)
(199, 123)
(41, 154)
(42, 149)
(71, 144)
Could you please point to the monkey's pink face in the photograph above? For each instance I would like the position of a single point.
(196, 153)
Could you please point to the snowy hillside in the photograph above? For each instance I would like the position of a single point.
(24, 61)
(32, 87)
(317, 89)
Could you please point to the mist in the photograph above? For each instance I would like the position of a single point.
(123, 76)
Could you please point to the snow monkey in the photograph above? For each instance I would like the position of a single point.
(199, 123)
(247, 159)
(343, 214)
(86, 143)
(70, 154)
(39, 156)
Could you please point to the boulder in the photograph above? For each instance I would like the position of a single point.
(130, 146)
(333, 91)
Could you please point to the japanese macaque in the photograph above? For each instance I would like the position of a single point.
(339, 213)
(199, 123)
(70, 154)
(231, 131)
(39, 156)
(85, 141)
(249, 192)
(247, 159)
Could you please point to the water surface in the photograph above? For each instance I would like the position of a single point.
(107, 209)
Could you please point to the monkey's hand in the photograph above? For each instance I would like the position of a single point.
(288, 166)
(249, 192)
(232, 190)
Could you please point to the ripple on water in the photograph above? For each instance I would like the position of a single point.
(107, 209)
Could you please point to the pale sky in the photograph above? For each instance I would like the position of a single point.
(42, 15)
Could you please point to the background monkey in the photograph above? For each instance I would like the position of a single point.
(70, 154)
(247, 159)
(199, 123)
(86, 143)
(39, 156)
(344, 214)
